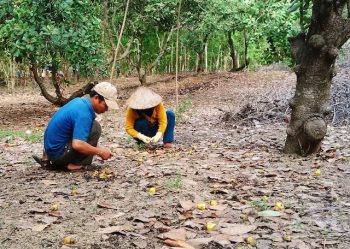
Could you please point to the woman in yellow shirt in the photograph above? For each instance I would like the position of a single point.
(147, 120)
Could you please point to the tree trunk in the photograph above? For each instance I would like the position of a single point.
(200, 67)
(119, 40)
(206, 56)
(232, 51)
(315, 54)
(59, 100)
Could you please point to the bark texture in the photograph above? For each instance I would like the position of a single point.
(315, 54)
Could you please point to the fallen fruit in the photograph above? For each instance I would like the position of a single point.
(278, 206)
(152, 190)
(68, 240)
(287, 238)
(250, 241)
(54, 207)
(210, 226)
(201, 206)
(317, 172)
(74, 191)
(213, 203)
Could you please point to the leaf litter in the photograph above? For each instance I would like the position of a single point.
(238, 166)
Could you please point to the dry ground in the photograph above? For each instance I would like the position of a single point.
(241, 167)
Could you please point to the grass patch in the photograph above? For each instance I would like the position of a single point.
(184, 106)
(11, 135)
(175, 183)
(261, 204)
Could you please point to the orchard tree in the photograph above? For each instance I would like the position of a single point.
(51, 33)
(151, 23)
(315, 52)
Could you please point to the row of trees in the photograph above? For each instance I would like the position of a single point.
(104, 38)
(112, 37)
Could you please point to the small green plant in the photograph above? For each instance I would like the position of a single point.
(261, 204)
(182, 109)
(325, 233)
(140, 146)
(10, 135)
(174, 184)
(297, 224)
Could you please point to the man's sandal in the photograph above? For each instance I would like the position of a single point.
(43, 163)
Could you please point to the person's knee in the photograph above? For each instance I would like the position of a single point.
(96, 129)
(170, 115)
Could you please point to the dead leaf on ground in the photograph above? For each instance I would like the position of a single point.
(178, 243)
(236, 229)
(40, 227)
(186, 205)
(218, 207)
(107, 216)
(115, 229)
(176, 234)
(105, 205)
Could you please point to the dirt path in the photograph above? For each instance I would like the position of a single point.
(242, 168)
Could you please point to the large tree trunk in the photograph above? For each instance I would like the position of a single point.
(232, 52)
(315, 54)
(201, 55)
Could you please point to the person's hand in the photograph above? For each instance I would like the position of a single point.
(104, 153)
(156, 138)
(143, 138)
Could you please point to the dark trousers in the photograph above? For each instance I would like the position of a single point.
(72, 156)
(143, 126)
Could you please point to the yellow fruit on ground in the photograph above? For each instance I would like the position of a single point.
(152, 190)
(74, 191)
(213, 203)
(54, 207)
(201, 206)
(278, 206)
(68, 240)
(210, 226)
(317, 172)
(287, 238)
(250, 240)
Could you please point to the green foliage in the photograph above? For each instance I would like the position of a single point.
(140, 146)
(52, 32)
(10, 135)
(261, 204)
(183, 107)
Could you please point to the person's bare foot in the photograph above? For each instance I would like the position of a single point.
(72, 167)
(168, 145)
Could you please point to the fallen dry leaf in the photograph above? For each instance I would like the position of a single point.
(236, 229)
(178, 243)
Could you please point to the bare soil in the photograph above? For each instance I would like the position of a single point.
(240, 165)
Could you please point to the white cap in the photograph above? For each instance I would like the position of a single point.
(108, 92)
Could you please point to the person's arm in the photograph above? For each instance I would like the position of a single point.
(162, 122)
(85, 148)
(162, 119)
(131, 117)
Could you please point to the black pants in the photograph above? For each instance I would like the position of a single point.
(72, 156)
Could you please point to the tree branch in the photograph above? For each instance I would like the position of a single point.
(162, 50)
(34, 69)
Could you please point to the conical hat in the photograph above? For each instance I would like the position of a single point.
(143, 98)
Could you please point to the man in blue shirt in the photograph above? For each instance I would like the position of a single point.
(71, 137)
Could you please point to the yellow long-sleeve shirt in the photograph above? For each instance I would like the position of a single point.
(158, 116)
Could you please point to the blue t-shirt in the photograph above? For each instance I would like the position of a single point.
(73, 121)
